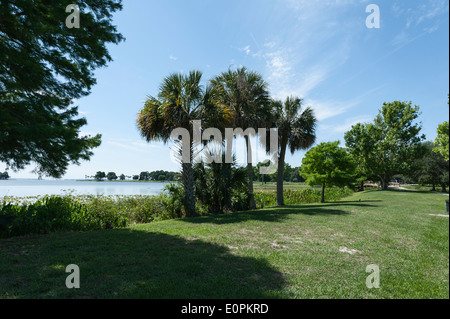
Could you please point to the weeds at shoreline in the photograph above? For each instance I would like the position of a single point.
(47, 214)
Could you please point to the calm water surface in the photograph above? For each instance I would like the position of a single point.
(28, 187)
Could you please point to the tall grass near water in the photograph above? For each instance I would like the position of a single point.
(42, 215)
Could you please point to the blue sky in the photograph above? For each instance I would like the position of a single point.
(319, 50)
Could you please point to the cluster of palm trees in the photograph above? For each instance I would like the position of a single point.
(234, 99)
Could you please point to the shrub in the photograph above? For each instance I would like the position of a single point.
(43, 216)
(47, 214)
(296, 197)
(82, 213)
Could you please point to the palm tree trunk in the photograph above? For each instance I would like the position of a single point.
(251, 200)
(280, 176)
(228, 192)
(188, 183)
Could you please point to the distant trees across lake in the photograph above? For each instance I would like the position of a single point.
(161, 176)
(4, 176)
(291, 174)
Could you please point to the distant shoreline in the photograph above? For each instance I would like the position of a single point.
(126, 181)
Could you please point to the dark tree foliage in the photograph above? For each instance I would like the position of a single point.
(431, 169)
(99, 176)
(44, 66)
(111, 176)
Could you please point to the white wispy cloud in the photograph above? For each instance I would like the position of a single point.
(245, 49)
(423, 19)
(173, 58)
(134, 146)
(349, 123)
(324, 110)
(299, 61)
(330, 108)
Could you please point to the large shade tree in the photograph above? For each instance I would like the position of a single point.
(246, 94)
(296, 130)
(360, 144)
(390, 145)
(44, 66)
(432, 168)
(442, 140)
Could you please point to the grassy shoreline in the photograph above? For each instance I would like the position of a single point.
(125, 181)
(294, 252)
(45, 214)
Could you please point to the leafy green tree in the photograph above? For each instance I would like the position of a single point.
(442, 141)
(360, 143)
(144, 176)
(388, 146)
(135, 177)
(432, 169)
(99, 176)
(295, 175)
(44, 66)
(122, 177)
(260, 177)
(328, 165)
(288, 172)
(296, 129)
(397, 140)
(111, 176)
(161, 175)
(246, 94)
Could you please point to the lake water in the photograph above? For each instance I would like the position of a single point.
(28, 187)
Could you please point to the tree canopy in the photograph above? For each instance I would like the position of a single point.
(327, 164)
(390, 144)
(44, 67)
(432, 168)
(442, 141)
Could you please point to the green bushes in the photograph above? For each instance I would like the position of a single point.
(305, 196)
(47, 214)
(82, 213)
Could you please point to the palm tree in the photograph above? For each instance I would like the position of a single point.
(178, 103)
(246, 94)
(296, 129)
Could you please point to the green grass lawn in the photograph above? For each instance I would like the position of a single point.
(290, 252)
(272, 186)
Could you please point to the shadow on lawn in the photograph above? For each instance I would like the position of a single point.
(135, 264)
(276, 214)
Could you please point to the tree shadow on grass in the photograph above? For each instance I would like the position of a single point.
(277, 214)
(136, 264)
